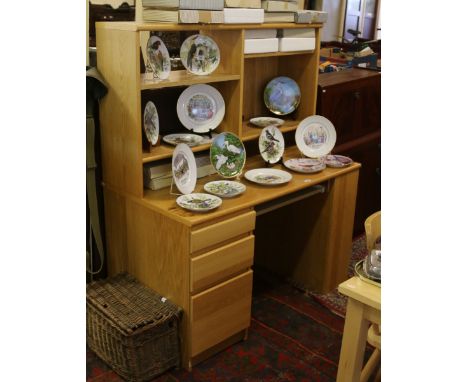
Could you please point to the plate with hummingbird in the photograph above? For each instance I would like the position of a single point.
(158, 57)
(271, 144)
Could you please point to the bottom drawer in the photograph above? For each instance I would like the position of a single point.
(221, 312)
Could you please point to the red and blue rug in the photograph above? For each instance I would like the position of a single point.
(294, 335)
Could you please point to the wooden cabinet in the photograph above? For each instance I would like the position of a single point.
(350, 99)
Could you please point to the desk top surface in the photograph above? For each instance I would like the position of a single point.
(165, 203)
(361, 291)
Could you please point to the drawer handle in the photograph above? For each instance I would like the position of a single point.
(357, 95)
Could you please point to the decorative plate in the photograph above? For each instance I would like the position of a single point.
(151, 122)
(337, 161)
(200, 55)
(224, 188)
(266, 121)
(305, 165)
(227, 155)
(200, 108)
(271, 144)
(268, 176)
(199, 202)
(189, 139)
(184, 168)
(315, 136)
(282, 95)
(158, 57)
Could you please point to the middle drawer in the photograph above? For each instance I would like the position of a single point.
(221, 263)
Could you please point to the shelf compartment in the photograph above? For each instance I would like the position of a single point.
(183, 78)
(278, 54)
(165, 151)
(250, 133)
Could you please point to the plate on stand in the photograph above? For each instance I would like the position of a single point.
(199, 202)
(337, 161)
(158, 57)
(268, 176)
(200, 55)
(184, 168)
(190, 140)
(282, 95)
(271, 144)
(200, 108)
(266, 121)
(151, 122)
(227, 155)
(315, 136)
(305, 165)
(225, 188)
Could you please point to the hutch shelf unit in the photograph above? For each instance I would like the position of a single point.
(202, 262)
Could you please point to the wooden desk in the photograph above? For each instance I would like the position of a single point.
(363, 308)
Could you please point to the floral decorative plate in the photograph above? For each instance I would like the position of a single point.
(227, 155)
(189, 139)
(305, 165)
(337, 161)
(268, 176)
(200, 108)
(282, 95)
(271, 144)
(315, 136)
(200, 54)
(266, 121)
(224, 188)
(184, 168)
(151, 122)
(199, 202)
(158, 57)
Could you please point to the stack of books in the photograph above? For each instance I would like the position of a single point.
(260, 41)
(280, 11)
(296, 39)
(183, 11)
(243, 11)
(160, 175)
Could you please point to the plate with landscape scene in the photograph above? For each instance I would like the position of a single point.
(282, 95)
(224, 188)
(271, 144)
(227, 155)
(184, 168)
(315, 136)
(200, 55)
(158, 57)
(268, 176)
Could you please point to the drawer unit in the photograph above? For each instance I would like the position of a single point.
(221, 231)
(220, 312)
(221, 263)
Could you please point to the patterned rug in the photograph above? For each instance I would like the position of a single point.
(293, 337)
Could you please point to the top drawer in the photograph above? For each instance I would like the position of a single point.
(221, 231)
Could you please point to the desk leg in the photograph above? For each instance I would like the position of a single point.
(353, 344)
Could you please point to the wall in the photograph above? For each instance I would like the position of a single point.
(332, 27)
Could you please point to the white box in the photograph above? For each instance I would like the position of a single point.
(302, 33)
(243, 16)
(262, 45)
(287, 44)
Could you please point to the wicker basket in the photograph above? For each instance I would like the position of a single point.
(131, 328)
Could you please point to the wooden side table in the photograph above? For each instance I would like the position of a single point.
(362, 310)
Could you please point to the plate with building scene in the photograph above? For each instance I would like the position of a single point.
(200, 55)
(266, 121)
(224, 188)
(305, 165)
(184, 168)
(158, 57)
(337, 161)
(151, 122)
(271, 144)
(199, 202)
(315, 136)
(268, 176)
(282, 95)
(200, 108)
(227, 155)
(189, 139)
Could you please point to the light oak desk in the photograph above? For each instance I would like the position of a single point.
(202, 261)
(362, 310)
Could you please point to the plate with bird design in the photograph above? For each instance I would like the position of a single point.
(271, 144)
(158, 57)
(184, 168)
(227, 155)
(151, 122)
(199, 202)
(224, 188)
(200, 108)
(200, 55)
(268, 176)
(282, 95)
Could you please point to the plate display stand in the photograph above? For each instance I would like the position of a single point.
(171, 192)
